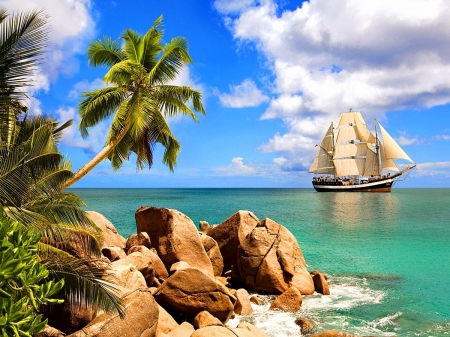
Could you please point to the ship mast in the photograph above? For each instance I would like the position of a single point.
(377, 146)
(332, 150)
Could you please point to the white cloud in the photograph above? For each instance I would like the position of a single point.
(405, 140)
(232, 6)
(70, 27)
(242, 95)
(71, 135)
(85, 86)
(236, 168)
(433, 169)
(327, 57)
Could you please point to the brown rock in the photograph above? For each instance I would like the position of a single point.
(213, 331)
(256, 300)
(141, 239)
(242, 305)
(222, 280)
(289, 301)
(213, 252)
(253, 329)
(161, 334)
(190, 291)
(183, 330)
(334, 333)
(50, 332)
(141, 314)
(113, 253)
(270, 260)
(227, 235)
(239, 332)
(180, 265)
(158, 265)
(204, 318)
(126, 276)
(174, 236)
(204, 226)
(143, 264)
(306, 326)
(110, 235)
(320, 283)
(166, 323)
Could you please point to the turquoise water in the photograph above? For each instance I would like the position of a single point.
(387, 255)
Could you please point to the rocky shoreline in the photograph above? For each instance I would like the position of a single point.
(178, 281)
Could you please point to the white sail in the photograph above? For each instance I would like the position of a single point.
(323, 163)
(350, 150)
(391, 148)
(387, 163)
(364, 135)
(346, 118)
(346, 133)
(349, 166)
(372, 165)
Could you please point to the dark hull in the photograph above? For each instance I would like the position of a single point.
(382, 185)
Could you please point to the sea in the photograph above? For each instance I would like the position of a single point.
(387, 255)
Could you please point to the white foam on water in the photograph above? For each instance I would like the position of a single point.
(323, 311)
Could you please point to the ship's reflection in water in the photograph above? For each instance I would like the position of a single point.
(357, 208)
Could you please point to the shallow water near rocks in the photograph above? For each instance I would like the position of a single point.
(387, 254)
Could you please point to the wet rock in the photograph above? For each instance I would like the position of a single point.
(242, 305)
(289, 301)
(306, 326)
(320, 283)
(256, 300)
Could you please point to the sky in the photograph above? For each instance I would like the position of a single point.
(273, 75)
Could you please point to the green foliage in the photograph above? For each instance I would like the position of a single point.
(22, 286)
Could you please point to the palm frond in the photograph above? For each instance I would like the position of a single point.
(105, 52)
(131, 46)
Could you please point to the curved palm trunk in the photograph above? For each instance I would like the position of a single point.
(94, 161)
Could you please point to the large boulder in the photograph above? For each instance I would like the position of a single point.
(174, 236)
(190, 291)
(141, 315)
(289, 301)
(166, 323)
(142, 262)
(320, 282)
(110, 235)
(204, 318)
(126, 276)
(270, 260)
(213, 252)
(158, 265)
(306, 326)
(229, 233)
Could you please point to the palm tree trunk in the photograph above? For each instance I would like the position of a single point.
(94, 161)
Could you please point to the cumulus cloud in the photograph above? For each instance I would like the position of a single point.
(327, 57)
(71, 136)
(85, 86)
(242, 95)
(433, 169)
(236, 168)
(70, 27)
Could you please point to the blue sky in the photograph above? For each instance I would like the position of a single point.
(273, 75)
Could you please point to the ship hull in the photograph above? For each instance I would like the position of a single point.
(383, 185)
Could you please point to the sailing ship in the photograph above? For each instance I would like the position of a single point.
(356, 160)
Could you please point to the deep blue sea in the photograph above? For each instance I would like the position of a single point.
(387, 255)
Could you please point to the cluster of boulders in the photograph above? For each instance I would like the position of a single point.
(177, 281)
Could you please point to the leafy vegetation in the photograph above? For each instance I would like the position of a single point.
(138, 96)
(22, 286)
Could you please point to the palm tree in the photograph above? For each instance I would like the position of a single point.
(139, 96)
(32, 171)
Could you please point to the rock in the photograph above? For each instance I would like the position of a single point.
(213, 252)
(126, 276)
(174, 236)
(50, 332)
(255, 299)
(166, 323)
(242, 305)
(320, 283)
(306, 326)
(158, 265)
(143, 264)
(289, 301)
(222, 280)
(226, 235)
(213, 331)
(204, 226)
(334, 333)
(113, 253)
(190, 291)
(183, 330)
(270, 260)
(161, 334)
(253, 329)
(204, 318)
(141, 239)
(181, 265)
(110, 235)
(239, 332)
(141, 314)
(68, 317)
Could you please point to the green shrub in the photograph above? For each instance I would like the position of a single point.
(22, 281)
